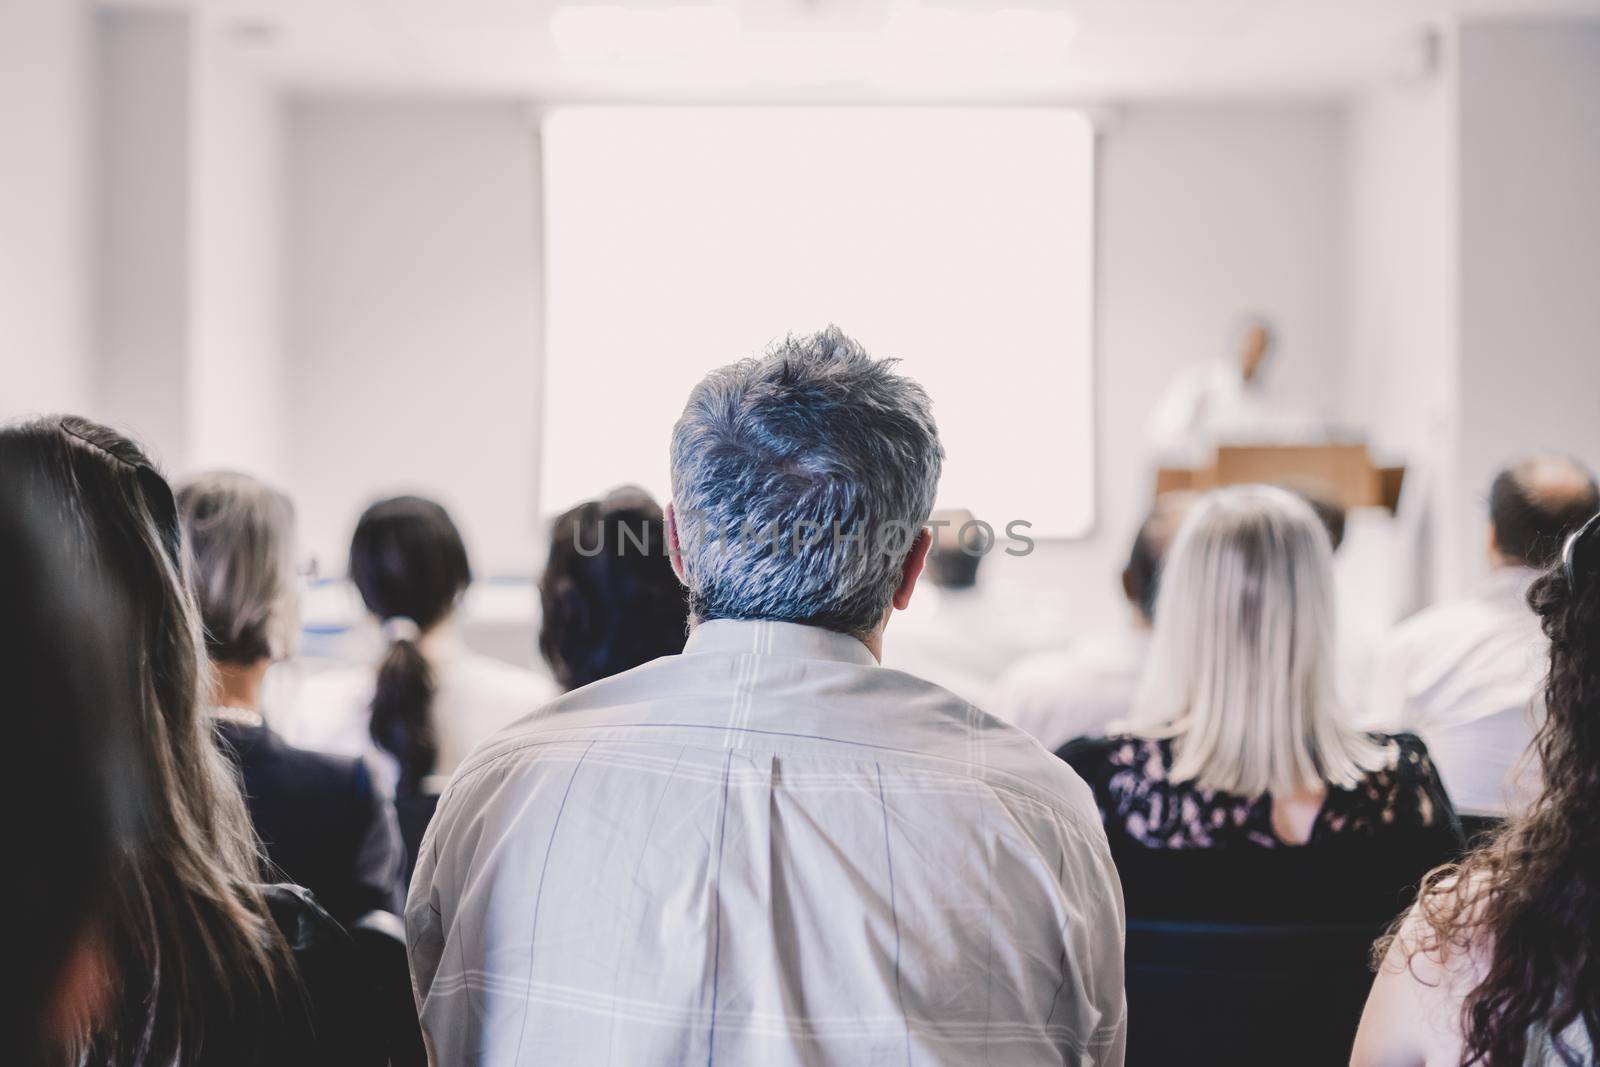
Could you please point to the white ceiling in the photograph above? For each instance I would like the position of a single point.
(953, 50)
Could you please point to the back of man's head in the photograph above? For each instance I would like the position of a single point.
(1141, 578)
(1535, 503)
(800, 480)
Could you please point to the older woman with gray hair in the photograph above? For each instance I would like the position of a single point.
(1241, 792)
(320, 818)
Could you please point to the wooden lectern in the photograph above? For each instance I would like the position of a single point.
(1346, 471)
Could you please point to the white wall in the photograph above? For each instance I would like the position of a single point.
(142, 227)
(188, 315)
(1401, 376)
(1475, 231)
(236, 382)
(1530, 245)
(1205, 211)
(414, 290)
(44, 232)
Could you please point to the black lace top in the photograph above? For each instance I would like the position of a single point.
(1187, 852)
(1137, 798)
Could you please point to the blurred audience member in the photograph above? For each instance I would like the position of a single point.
(1464, 674)
(1240, 749)
(431, 700)
(1496, 963)
(74, 769)
(767, 849)
(610, 600)
(1079, 692)
(321, 820)
(174, 954)
(960, 632)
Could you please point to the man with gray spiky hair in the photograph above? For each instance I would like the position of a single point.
(769, 849)
(800, 482)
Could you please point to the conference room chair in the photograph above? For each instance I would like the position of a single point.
(1242, 994)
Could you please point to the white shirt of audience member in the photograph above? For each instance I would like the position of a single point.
(965, 639)
(767, 850)
(1226, 402)
(476, 695)
(1465, 676)
(1063, 695)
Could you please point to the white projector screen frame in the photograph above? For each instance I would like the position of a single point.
(958, 240)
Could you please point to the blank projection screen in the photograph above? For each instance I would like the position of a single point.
(959, 241)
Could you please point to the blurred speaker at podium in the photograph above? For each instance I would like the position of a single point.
(1229, 401)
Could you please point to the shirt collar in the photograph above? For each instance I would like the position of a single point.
(771, 638)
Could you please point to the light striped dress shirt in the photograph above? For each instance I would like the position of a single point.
(766, 851)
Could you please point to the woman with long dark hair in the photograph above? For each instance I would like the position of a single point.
(73, 767)
(1498, 964)
(431, 699)
(187, 957)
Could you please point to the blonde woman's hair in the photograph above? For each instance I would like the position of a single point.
(1242, 669)
(241, 532)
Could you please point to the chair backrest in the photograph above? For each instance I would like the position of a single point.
(381, 941)
(1242, 994)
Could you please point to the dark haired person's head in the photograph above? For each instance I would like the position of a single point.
(1525, 903)
(241, 534)
(410, 565)
(1325, 502)
(957, 550)
(1141, 576)
(821, 463)
(106, 645)
(610, 600)
(1535, 503)
(72, 767)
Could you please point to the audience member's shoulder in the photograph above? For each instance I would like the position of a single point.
(1016, 759)
(305, 925)
(1087, 751)
(1420, 629)
(1097, 759)
(554, 712)
(1411, 756)
(343, 776)
(1411, 792)
(1041, 773)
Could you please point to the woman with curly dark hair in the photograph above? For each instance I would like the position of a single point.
(1498, 965)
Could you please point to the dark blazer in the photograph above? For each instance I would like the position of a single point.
(323, 824)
